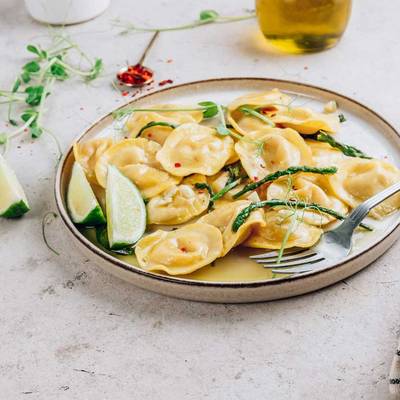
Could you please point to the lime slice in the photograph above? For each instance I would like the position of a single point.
(126, 212)
(13, 202)
(82, 203)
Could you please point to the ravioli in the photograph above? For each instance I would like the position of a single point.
(177, 205)
(193, 148)
(87, 154)
(159, 133)
(324, 155)
(281, 148)
(308, 188)
(223, 218)
(182, 251)
(359, 179)
(277, 224)
(306, 121)
(271, 101)
(136, 159)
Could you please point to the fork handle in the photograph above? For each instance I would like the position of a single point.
(360, 212)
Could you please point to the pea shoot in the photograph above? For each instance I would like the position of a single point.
(34, 83)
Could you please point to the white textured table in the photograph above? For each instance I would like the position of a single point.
(70, 331)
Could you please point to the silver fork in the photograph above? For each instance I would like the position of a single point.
(334, 244)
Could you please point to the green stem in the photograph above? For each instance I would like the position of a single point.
(75, 71)
(245, 213)
(289, 171)
(46, 220)
(255, 113)
(21, 129)
(220, 20)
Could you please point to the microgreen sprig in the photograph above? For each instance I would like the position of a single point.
(208, 108)
(205, 17)
(34, 84)
(247, 110)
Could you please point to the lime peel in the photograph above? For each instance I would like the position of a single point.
(81, 200)
(13, 202)
(126, 211)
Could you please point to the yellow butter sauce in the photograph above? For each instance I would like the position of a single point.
(234, 267)
(302, 26)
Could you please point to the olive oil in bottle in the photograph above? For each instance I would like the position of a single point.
(302, 26)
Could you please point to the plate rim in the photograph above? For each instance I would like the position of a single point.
(191, 282)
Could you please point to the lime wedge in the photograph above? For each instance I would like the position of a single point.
(126, 212)
(13, 202)
(82, 203)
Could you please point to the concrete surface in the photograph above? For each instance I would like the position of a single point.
(70, 331)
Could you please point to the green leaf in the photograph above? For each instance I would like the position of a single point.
(13, 122)
(208, 15)
(58, 71)
(28, 114)
(25, 76)
(34, 95)
(210, 109)
(32, 66)
(36, 131)
(37, 50)
(3, 138)
(33, 49)
(342, 118)
(16, 86)
(155, 123)
(97, 68)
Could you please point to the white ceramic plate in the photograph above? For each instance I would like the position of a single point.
(235, 279)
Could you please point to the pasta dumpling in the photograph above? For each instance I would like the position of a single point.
(159, 133)
(277, 224)
(193, 148)
(136, 159)
(182, 251)
(309, 189)
(306, 121)
(272, 101)
(324, 155)
(223, 217)
(177, 205)
(359, 179)
(87, 154)
(270, 150)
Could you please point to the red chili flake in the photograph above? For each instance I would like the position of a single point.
(166, 82)
(200, 191)
(136, 75)
(266, 110)
(306, 68)
(169, 61)
(125, 93)
(278, 125)
(177, 165)
(255, 178)
(183, 249)
(26, 130)
(149, 134)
